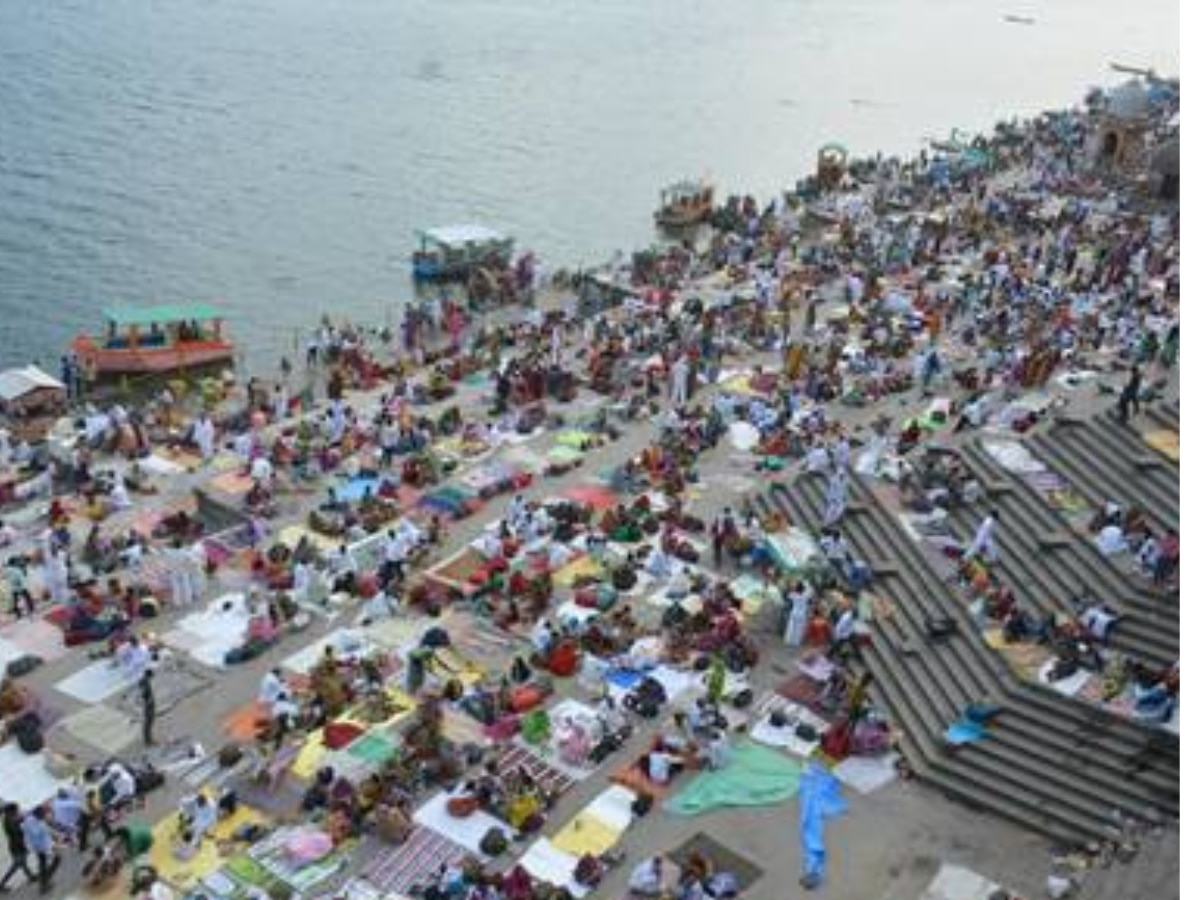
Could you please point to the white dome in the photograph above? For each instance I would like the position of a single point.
(1129, 101)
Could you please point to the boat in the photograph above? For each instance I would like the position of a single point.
(454, 251)
(154, 339)
(685, 203)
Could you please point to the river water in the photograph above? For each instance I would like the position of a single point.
(275, 156)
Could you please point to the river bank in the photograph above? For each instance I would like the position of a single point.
(976, 304)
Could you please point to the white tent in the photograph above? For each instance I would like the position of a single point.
(18, 383)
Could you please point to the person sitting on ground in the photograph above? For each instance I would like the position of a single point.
(660, 765)
(646, 880)
(1099, 621)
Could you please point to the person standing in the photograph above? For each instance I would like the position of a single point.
(204, 434)
(149, 707)
(181, 585)
(67, 813)
(835, 496)
(18, 849)
(1130, 395)
(680, 373)
(40, 842)
(16, 574)
(718, 542)
(797, 620)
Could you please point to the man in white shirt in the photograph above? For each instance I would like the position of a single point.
(343, 568)
(646, 880)
(124, 785)
(680, 372)
(661, 766)
(381, 606)
(261, 470)
(271, 685)
(204, 434)
(134, 659)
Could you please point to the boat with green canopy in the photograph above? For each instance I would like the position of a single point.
(155, 339)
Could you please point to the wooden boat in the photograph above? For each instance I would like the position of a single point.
(454, 251)
(154, 339)
(685, 203)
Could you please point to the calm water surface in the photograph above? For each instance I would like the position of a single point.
(276, 155)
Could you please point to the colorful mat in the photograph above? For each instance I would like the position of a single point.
(409, 866)
(544, 772)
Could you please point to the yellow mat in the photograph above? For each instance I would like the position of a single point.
(586, 833)
(291, 536)
(311, 756)
(118, 889)
(396, 633)
(584, 566)
(455, 665)
(1165, 442)
(739, 384)
(313, 751)
(185, 873)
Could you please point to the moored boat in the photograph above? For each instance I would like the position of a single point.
(154, 339)
(454, 251)
(685, 203)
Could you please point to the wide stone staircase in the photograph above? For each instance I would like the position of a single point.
(1108, 461)
(1047, 563)
(1054, 765)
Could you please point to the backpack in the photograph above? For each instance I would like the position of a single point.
(588, 871)
(29, 737)
(805, 732)
(23, 665)
(742, 699)
(519, 671)
(642, 804)
(435, 637)
(940, 627)
(148, 779)
(1063, 668)
(651, 688)
(624, 578)
(493, 843)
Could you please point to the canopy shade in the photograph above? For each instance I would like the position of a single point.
(123, 316)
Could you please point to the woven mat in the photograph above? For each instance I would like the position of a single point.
(721, 857)
(98, 726)
(546, 774)
(406, 867)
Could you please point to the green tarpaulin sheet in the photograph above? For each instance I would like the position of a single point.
(792, 549)
(373, 748)
(563, 456)
(573, 438)
(755, 776)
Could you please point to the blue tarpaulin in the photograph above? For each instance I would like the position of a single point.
(820, 799)
(965, 731)
(626, 679)
(356, 488)
(973, 724)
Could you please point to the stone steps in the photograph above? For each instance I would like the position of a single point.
(1044, 711)
(1051, 767)
(1092, 567)
(1046, 578)
(1107, 461)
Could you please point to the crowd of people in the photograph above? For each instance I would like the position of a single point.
(959, 285)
